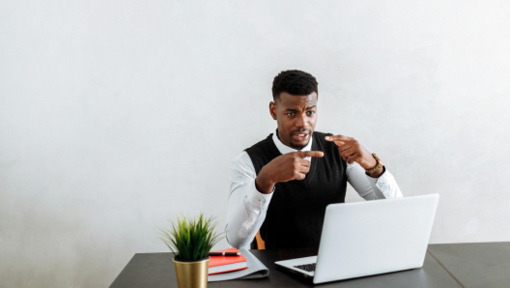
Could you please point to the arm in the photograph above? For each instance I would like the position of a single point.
(379, 185)
(246, 206)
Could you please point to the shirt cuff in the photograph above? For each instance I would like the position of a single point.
(386, 184)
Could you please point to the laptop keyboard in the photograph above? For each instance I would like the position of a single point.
(307, 267)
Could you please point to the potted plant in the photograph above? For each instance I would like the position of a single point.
(191, 240)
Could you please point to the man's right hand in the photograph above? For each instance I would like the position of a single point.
(284, 168)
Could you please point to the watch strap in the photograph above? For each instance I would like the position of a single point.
(377, 166)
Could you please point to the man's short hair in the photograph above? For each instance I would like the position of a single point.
(294, 82)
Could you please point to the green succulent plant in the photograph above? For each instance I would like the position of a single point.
(191, 239)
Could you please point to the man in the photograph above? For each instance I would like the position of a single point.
(283, 184)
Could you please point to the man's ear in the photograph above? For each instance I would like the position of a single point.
(272, 109)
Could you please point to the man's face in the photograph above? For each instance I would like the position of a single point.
(296, 117)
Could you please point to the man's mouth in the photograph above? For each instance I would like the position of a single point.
(300, 137)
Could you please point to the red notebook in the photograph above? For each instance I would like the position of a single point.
(222, 264)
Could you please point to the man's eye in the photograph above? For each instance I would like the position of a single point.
(291, 114)
(310, 112)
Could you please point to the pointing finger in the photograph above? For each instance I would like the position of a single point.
(339, 137)
(304, 154)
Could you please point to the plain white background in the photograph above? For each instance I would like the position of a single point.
(115, 116)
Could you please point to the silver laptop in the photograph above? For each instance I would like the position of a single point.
(367, 238)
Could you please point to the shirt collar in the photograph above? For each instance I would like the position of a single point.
(284, 149)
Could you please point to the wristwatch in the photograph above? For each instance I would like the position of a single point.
(377, 166)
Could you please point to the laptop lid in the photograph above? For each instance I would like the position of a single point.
(373, 237)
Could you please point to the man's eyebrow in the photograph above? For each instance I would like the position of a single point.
(297, 110)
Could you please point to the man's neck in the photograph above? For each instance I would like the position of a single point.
(286, 148)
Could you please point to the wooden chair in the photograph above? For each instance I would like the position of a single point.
(261, 245)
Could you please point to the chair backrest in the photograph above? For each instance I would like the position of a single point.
(261, 245)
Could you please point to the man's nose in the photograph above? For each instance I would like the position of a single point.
(301, 121)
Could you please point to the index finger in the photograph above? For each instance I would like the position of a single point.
(339, 137)
(304, 154)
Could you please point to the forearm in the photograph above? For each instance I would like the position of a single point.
(246, 212)
(235, 225)
(369, 188)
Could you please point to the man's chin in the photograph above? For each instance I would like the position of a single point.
(299, 145)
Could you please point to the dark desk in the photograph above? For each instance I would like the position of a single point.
(446, 265)
(476, 264)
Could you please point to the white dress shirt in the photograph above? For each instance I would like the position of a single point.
(247, 206)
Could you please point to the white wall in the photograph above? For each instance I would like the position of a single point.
(116, 115)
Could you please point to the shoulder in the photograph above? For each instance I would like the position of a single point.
(243, 165)
(262, 152)
(261, 145)
(242, 158)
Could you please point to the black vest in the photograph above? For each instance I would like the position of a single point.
(296, 212)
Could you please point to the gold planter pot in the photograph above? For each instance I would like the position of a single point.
(192, 274)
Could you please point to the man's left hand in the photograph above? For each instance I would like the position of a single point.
(351, 151)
